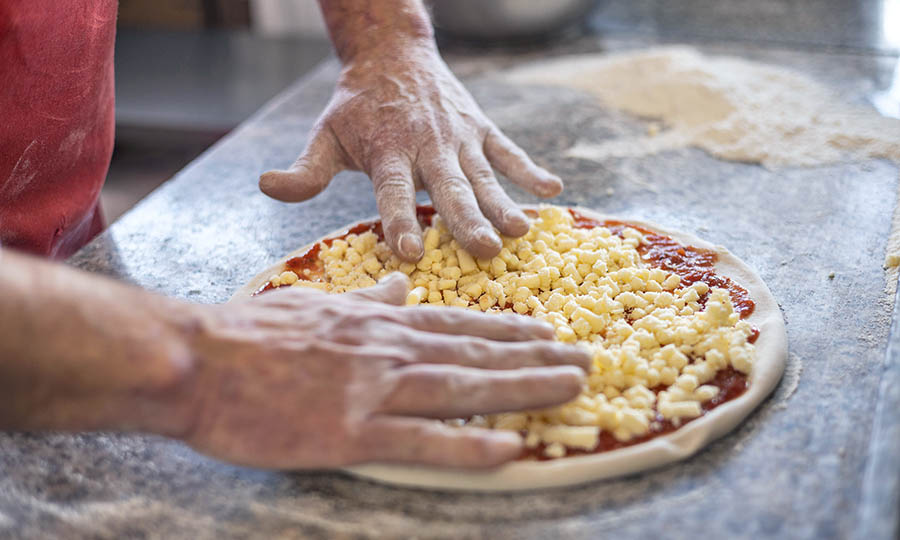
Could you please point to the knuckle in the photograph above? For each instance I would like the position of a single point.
(503, 211)
(482, 176)
(396, 355)
(519, 324)
(476, 348)
(448, 186)
(421, 439)
(452, 386)
(431, 317)
(395, 223)
(418, 389)
(552, 353)
(330, 312)
(402, 357)
(393, 184)
(301, 164)
(346, 336)
(310, 176)
(372, 314)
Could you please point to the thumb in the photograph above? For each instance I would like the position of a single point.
(391, 289)
(310, 174)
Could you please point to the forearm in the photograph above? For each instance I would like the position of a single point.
(357, 26)
(80, 352)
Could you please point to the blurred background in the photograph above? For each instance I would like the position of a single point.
(189, 71)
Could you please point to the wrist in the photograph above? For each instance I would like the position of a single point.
(360, 29)
(393, 48)
(79, 352)
(166, 401)
(149, 374)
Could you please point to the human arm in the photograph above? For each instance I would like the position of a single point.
(289, 379)
(401, 116)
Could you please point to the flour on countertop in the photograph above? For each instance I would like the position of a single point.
(734, 109)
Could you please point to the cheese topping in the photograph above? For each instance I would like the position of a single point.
(644, 329)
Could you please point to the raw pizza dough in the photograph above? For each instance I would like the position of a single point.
(771, 356)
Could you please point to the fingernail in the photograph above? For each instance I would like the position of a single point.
(486, 237)
(544, 330)
(509, 437)
(551, 186)
(266, 179)
(411, 246)
(578, 381)
(390, 277)
(513, 217)
(504, 446)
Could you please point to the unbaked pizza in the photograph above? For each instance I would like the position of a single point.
(686, 339)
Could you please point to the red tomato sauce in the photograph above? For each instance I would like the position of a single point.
(308, 267)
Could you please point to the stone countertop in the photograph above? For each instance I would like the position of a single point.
(812, 462)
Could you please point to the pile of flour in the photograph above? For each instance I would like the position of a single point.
(734, 109)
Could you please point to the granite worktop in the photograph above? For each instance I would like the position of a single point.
(817, 460)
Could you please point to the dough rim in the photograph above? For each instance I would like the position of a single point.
(771, 347)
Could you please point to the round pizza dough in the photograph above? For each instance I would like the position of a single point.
(771, 356)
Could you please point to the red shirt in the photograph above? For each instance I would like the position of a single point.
(56, 121)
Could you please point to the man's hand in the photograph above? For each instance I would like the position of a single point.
(400, 115)
(289, 379)
(297, 378)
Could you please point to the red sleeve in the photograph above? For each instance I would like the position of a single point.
(57, 128)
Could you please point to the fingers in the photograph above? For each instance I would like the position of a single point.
(493, 201)
(515, 164)
(499, 327)
(411, 440)
(441, 391)
(310, 174)
(486, 354)
(455, 202)
(391, 289)
(395, 194)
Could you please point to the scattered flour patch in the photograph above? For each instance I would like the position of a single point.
(791, 378)
(22, 173)
(734, 109)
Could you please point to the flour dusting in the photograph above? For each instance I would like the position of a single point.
(734, 109)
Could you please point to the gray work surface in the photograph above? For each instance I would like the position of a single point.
(812, 462)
